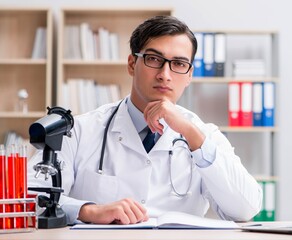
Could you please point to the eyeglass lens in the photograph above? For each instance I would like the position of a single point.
(177, 66)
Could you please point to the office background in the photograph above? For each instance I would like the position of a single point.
(225, 14)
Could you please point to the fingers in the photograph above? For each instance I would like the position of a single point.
(126, 211)
(130, 212)
(153, 112)
(152, 116)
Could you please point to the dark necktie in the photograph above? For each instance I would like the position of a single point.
(148, 141)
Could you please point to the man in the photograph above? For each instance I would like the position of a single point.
(135, 182)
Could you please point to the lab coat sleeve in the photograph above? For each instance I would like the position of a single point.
(232, 192)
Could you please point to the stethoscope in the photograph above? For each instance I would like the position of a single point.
(171, 153)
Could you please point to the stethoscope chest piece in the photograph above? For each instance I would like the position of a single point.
(180, 151)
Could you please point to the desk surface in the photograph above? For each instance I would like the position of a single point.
(66, 233)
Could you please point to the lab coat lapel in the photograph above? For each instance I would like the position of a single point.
(128, 136)
(164, 143)
(127, 133)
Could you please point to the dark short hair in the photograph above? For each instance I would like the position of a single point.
(160, 26)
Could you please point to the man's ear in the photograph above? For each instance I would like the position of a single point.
(190, 75)
(131, 64)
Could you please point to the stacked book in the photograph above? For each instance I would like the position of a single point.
(12, 138)
(249, 68)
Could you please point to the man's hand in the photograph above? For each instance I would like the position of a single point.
(126, 211)
(166, 109)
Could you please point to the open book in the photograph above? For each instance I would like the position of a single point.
(170, 220)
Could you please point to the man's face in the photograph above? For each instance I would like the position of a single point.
(150, 84)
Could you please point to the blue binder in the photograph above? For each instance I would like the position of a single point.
(268, 104)
(209, 64)
(198, 61)
(257, 107)
(219, 54)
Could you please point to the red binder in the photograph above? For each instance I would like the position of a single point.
(234, 103)
(246, 118)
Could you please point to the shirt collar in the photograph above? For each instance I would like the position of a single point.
(136, 115)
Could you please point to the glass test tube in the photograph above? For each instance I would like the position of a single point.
(20, 183)
(2, 181)
(10, 184)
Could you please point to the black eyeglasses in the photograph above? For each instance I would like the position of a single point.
(156, 61)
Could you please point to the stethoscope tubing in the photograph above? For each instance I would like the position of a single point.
(100, 168)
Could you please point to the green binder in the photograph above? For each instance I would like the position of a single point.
(268, 210)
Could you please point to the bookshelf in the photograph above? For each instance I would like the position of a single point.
(18, 70)
(120, 21)
(208, 96)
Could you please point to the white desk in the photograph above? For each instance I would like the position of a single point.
(67, 234)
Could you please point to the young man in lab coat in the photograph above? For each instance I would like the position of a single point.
(135, 184)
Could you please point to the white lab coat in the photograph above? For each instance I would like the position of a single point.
(129, 172)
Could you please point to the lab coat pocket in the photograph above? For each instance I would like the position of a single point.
(99, 188)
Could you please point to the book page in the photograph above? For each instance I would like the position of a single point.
(151, 223)
(184, 220)
(168, 220)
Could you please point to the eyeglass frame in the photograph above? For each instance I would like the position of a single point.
(144, 55)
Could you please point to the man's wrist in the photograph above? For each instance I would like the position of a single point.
(85, 212)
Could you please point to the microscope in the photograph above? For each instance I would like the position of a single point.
(47, 134)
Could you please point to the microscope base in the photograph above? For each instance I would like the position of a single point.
(58, 221)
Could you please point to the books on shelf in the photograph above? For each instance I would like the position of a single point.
(234, 104)
(246, 104)
(40, 44)
(251, 104)
(208, 57)
(82, 42)
(72, 49)
(86, 42)
(169, 220)
(220, 54)
(268, 103)
(83, 95)
(12, 138)
(257, 105)
(198, 61)
(211, 55)
(249, 68)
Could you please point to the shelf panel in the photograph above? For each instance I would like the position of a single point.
(94, 62)
(23, 61)
(114, 12)
(238, 32)
(248, 129)
(266, 178)
(233, 79)
(22, 115)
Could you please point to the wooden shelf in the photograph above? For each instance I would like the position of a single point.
(240, 32)
(233, 79)
(18, 27)
(27, 61)
(248, 129)
(22, 115)
(94, 62)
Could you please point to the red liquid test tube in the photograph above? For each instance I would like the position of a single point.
(2, 182)
(10, 184)
(20, 184)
